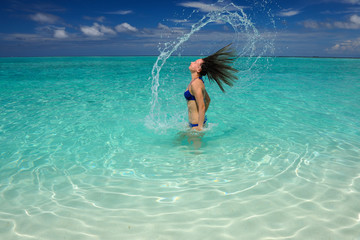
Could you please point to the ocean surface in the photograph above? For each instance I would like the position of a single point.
(87, 153)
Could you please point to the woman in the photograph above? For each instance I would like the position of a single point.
(217, 68)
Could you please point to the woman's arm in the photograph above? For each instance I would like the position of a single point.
(207, 101)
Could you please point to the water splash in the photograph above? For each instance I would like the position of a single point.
(245, 39)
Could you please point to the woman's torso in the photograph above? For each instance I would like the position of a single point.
(193, 111)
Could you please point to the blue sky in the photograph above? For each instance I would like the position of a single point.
(93, 27)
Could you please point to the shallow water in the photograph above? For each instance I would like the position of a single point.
(280, 158)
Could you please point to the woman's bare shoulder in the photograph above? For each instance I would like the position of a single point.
(198, 83)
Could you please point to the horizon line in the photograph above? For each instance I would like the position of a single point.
(151, 55)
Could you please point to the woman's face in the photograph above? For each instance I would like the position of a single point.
(196, 66)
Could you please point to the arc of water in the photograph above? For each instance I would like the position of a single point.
(234, 18)
(161, 60)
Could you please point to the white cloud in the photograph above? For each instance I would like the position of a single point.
(288, 13)
(106, 30)
(353, 23)
(346, 46)
(352, 1)
(97, 19)
(60, 33)
(179, 20)
(348, 10)
(44, 18)
(162, 26)
(97, 30)
(100, 19)
(125, 27)
(203, 7)
(121, 12)
(91, 31)
(355, 19)
(311, 24)
(316, 25)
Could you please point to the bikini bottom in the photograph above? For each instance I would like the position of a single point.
(195, 125)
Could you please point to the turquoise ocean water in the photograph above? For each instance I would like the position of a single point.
(82, 158)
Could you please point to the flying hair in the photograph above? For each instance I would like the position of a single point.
(218, 67)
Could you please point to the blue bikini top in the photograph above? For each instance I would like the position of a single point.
(188, 95)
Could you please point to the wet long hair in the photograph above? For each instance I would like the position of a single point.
(218, 67)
